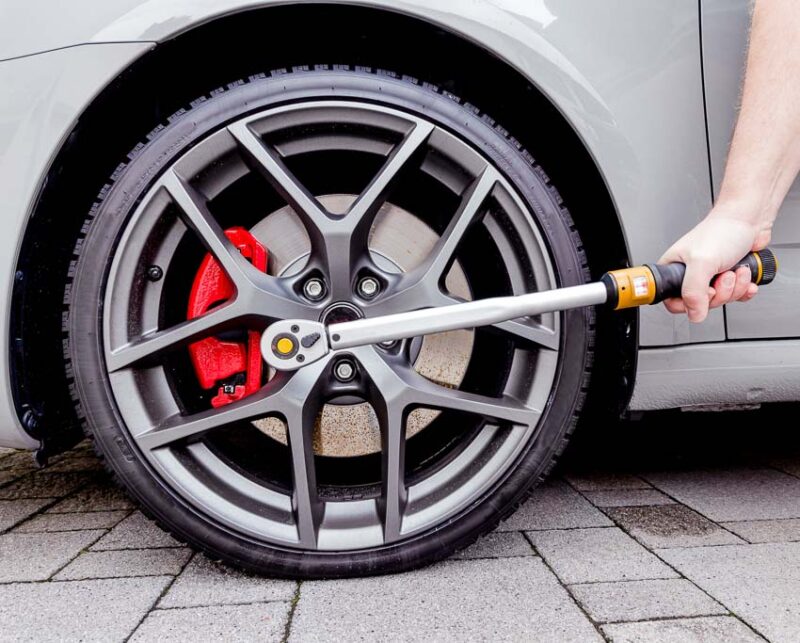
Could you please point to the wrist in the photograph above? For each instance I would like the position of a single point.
(749, 212)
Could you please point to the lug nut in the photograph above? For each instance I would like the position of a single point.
(368, 287)
(391, 343)
(344, 370)
(314, 289)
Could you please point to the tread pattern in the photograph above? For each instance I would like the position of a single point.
(557, 450)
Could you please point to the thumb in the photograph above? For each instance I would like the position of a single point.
(695, 292)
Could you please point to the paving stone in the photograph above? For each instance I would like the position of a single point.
(734, 494)
(44, 485)
(13, 512)
(707, 629)
(20, 461)
(501, 599)
(71, 521)
(555, 506)
(605, 481)
(130, 562)
(628, 498)
(758, 583)
(97, 497)
(264, 622)
(640, 600)
(29, 557)
(597, 555)
(766, 531)
(87, 463)
(136, 532)
(498, 545)
(204, 582)
(99, 610)
(671, 526)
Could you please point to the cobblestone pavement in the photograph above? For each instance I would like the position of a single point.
(680, 527)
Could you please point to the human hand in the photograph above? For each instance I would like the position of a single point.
(711, 248)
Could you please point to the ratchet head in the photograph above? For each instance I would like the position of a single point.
(290, 344)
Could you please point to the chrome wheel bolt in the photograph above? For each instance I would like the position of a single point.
(391, 343)
(368, 287)
(314, 289)
(344, 370)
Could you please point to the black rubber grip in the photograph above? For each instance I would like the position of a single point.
(669, 277)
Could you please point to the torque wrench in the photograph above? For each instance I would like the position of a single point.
(293, 343)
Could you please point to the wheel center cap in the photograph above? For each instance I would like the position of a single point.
(340, 312)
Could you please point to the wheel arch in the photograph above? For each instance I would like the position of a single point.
(159, 84)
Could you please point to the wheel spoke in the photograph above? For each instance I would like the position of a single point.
(441, 257)
(423, 392)
(362, 213)
(532, 332)
(300, 406)
(270, 165)
(195, 214)
(182, 427)
(151, 345)
(394, 494)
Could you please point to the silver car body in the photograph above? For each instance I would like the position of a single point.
(650, 88)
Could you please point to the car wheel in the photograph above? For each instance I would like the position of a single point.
(325, 194)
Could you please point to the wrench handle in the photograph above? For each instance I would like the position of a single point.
(653, 283)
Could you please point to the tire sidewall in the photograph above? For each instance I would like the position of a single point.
(86, 293)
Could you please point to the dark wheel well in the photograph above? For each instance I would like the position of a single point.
(209, 56)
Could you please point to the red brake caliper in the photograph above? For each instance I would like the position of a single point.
(235, 367)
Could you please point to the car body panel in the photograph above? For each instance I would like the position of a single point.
(47, 93)
(626, 74)
(776, 311)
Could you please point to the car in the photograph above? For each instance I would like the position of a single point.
(179, 174)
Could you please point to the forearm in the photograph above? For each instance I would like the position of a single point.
(764, 157)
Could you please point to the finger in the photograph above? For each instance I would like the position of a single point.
(675, 306)
(752, 291)
(696, 293)
(743, 280)
(724, 285)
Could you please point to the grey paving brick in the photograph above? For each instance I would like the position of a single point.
(605, 481)
(709, 629)
(100, 610)
(671, 526)
(29, 557)
(555, 506)
(640, 600)
(204, 582)
(767, 531)
(597, 555)
(103, 496)
(44, 485)
(501, 599)
(71, 521)
(628, 498)
(15, 511)
(129, 562)
(498, 545)
(758, 583)
(734, 494)
(136, 532)
(262, 622)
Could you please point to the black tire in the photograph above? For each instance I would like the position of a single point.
(102, 231)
